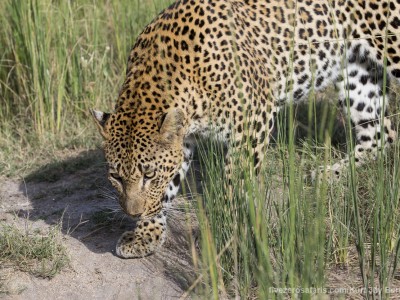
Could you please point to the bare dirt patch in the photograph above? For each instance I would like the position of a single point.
(74, 192)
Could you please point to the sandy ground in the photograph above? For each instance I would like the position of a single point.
(95, 272)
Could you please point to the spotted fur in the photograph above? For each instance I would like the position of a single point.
(226, 67)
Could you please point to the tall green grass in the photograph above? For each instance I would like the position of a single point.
(58, 60)
(276, 231)
(275, 235)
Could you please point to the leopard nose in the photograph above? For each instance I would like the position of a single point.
(132, 209)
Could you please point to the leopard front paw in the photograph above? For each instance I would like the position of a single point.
(145, 239)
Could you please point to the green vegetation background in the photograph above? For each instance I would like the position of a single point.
(60, 58)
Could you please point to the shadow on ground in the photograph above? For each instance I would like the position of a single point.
(76, 192)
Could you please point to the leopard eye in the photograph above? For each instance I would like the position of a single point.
(116, 177)
(148, 172)
(149, 175)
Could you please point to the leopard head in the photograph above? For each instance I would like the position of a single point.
(143, 151)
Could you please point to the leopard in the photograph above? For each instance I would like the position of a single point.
(225, 68)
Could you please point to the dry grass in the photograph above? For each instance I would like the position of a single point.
(41, 254)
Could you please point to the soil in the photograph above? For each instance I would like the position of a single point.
(78, 196)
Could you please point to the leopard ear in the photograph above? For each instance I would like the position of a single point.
(171, 125)
(100, 118)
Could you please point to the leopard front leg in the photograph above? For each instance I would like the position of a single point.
(246, 153)
(144, 240)
(149, 234)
